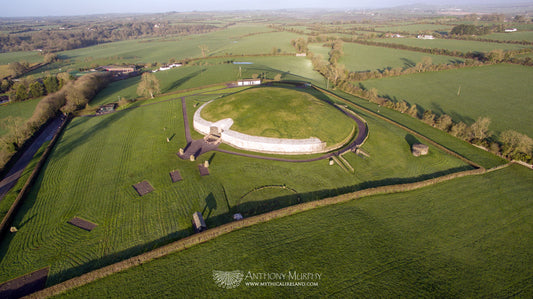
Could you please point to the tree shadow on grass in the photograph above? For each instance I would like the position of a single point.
(183, 80)
(247, 209)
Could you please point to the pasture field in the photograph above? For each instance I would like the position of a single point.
(233, 40)
(282, 113)
(474, 242)
(451, 44)
(501, 92)
(414, 28)
(29, 56)
(463, 148)
(514, 36)
(18, 109)
(359, 57)
(106, 155)
(185, 77)
(320, 50)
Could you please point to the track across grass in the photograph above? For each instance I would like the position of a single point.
(105, 155)
(424, 243)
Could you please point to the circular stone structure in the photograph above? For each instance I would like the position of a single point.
(275, 120)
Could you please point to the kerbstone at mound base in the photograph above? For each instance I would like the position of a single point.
(256, 143)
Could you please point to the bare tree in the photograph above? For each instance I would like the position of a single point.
(149, 85)
(480, 129)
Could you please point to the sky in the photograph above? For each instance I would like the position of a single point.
(20, 8)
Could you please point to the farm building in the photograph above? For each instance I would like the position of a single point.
(511, 30)
(301, 54)
(107, 108)
(119, 69)
(419, 149)
(198, 222)
(424, 36)
(247, 82)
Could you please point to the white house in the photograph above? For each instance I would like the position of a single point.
(424, 36)
(247, 82)
(511, 30)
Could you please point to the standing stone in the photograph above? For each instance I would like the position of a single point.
(206, 164)
(192, 158)
(181, 152)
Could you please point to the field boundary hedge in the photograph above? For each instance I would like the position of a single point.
(8, 218)
(395, 123)
(210, 234)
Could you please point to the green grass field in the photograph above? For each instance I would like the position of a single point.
(185, 77)
(501, 92)
(415, 28)
(369, 58)
(30, 56)
(18, 109)
(450, 44)
(282, 113)
(234, 40)
(106, 155)
(514, 36)
(473, 242)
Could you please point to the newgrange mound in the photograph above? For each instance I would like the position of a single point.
(278, 112)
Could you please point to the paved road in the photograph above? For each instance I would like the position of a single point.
(15, 172)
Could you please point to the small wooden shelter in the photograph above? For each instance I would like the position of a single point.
(198, 222)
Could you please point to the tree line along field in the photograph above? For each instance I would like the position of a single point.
(106, 155)
(423, 243)
(501, 92)
(359, 57)
(453, 45)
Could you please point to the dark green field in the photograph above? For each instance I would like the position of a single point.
(472, 242)
(501, 92)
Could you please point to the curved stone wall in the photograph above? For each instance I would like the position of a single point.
(311, 145)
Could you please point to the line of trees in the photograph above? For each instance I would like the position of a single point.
(29, 88)
(83, 35)
(510, 144)
(72, 96)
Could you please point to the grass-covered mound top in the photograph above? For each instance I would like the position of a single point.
(282, 113)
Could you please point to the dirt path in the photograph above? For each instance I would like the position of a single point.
(15, 172)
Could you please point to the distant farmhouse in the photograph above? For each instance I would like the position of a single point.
(394, 35)
(167, 67)
(301, 54)
(119, 71)
(248, 82)
(511, 30)
(424, 36)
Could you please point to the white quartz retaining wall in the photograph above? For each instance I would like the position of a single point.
(256, 143)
